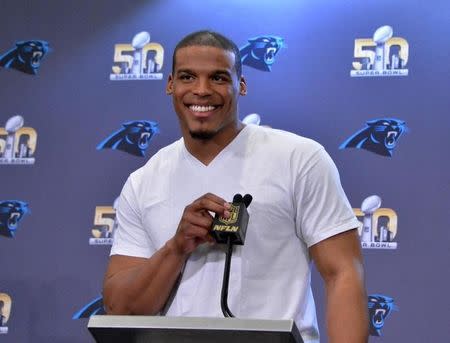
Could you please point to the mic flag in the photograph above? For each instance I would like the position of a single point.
(235, 226)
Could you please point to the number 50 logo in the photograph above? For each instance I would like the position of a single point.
(105, 224)
(383, 55)
(140, 60)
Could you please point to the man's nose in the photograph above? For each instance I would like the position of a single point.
(202, 87)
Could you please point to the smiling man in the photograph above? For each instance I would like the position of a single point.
(164, 261)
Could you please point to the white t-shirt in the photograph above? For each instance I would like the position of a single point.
(297, 202)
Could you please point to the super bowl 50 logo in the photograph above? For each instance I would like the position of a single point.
(105, 225)
(5, 312)
(379, 225)
(140, 60)
(381, 55)
(17, 143)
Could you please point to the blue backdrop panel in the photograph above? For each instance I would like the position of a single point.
(52, 159)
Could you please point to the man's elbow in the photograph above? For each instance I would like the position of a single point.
(352, 272)
(117, 303)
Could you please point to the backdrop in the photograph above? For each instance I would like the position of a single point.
(82, 104)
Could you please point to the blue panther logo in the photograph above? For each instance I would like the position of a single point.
(380, 306)
(26, 56)
(134, 137)
(379, 136)
(260, 52)
(92, 308)
(11, 212)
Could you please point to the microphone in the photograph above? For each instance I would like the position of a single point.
(231, 231)
(233, 228)
(247, 199)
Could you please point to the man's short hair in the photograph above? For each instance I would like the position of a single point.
(213, 39)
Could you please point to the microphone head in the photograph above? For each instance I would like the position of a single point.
(237, 198)
(247, 199)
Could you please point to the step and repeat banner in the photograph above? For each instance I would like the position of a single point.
(83, 104)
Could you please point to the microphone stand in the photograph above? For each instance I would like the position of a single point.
(226, 278)
(236, 236)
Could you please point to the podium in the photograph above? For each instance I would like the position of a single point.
(153, 329)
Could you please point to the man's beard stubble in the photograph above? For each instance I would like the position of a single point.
(202, 135)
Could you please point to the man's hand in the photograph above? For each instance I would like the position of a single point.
(196, 222)
(136, 285)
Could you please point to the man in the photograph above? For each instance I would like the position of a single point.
(299, 210)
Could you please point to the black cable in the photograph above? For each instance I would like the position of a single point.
(226, 278)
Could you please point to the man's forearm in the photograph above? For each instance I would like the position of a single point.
(144, 288)
(347, 314)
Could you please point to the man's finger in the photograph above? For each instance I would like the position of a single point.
(198, 219)
(211, 203)
(194, 231)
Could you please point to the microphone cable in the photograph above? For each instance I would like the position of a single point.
(246, 200)
(226, 278)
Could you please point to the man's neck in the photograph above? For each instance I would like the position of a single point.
(205, 150)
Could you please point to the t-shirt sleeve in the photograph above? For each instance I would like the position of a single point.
(130, 237)
(322, 206)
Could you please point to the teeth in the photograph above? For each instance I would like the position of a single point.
(13, 219)
(197, 108)
(392, 133)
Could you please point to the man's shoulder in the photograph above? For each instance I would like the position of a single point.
(283, 141)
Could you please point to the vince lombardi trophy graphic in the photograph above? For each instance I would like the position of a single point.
(252, 118)
(12, 126)
(368, 207)
(380, 37)
(139, 41)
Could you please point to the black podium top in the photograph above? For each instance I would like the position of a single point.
(142, 329)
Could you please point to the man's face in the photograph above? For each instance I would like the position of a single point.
(204, 88)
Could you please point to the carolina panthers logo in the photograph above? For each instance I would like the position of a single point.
(260, 52)
(26, 56)
(11, 212)
(380, 307)
(379, 136)
(92, 308)
(134, 137)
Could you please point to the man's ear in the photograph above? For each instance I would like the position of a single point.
(242, 86)
(169, 86)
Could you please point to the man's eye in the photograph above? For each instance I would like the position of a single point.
(219, 78)
(186, 77)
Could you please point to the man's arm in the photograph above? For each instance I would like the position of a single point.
(339, 261)
(136, 285)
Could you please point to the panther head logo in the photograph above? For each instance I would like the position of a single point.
(95, 307)
(260, 52)
(379, 136)
(11, 212)
(134, 137)
(26, 56)
(380, 306)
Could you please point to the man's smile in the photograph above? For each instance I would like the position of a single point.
(203, 111)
